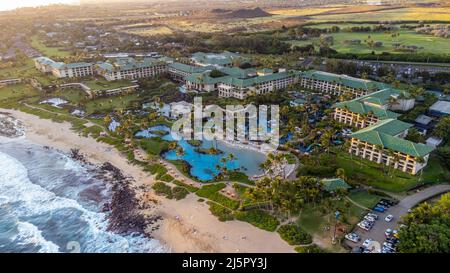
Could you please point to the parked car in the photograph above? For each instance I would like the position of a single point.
(352, 237)
(373, 215)
(395, 233)
(389, 218)
(369, 218)
(364, 226)
(367, 242)
(388, 232)
(379, 209)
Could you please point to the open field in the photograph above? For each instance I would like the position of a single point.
(427, 43)
(408, 13)
(302, 11)
(48, 51)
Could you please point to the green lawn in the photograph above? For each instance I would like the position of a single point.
(430, 43)
(102, 84)
(48, 51)
(17, 91)
(364, 198)
(372, 174)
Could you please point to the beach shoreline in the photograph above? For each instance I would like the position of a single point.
(186, 226)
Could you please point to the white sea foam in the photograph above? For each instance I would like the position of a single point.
(28, 200)
(30, 234)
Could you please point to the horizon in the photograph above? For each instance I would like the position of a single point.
(34, 3)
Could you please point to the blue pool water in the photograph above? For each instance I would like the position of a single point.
(203, 166)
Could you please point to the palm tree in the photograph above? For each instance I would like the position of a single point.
(420, 160)
(360, 153)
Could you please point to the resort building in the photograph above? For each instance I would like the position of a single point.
(384, 143)
(179, 71)
(62, 70)
(338, 84)
(239, 83)
(72, 70)
(224, 59)
(129, 68)
(372, 108)
(440, 109)
(241, 88)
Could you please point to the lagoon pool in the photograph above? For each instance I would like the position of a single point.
(203, 166)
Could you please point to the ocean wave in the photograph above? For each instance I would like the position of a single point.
(57, 223)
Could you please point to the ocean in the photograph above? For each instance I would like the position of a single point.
(52, 203)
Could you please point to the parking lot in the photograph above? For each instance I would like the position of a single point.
(377, 231)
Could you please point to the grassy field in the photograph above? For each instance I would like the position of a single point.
(372, 174)
(408, 13)
(430, 43)
(48, 51)
(102, 84)
(17, 91)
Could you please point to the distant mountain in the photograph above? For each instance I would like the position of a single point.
(241, 13)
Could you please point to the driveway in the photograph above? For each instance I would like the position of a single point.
(377, 232)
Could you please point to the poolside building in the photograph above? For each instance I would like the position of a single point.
(130, 68)
(372, 108)
(384, 143)
(335, 84)
(63, 70)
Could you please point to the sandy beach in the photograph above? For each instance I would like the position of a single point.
(187, 225)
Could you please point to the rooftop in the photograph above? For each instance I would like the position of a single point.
(391, 127)
(343, 80)
(441, 107)
(380, 134)
(218, 59)
(333, 184)
(423, 119)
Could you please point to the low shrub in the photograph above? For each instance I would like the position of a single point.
(309, 249)
(179, 192)
(211, 192)
(184, 185)
(222, 213)
(162, 189)
(294, 235)
(258, 218)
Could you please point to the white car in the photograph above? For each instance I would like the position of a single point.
(352, 237)
(389, 218)
(367, 242)
(388, 232)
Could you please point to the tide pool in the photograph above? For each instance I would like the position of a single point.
(203, 166)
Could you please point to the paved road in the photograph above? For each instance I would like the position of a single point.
(377, 232)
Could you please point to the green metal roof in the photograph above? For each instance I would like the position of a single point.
(128, 63)
(343, 80)
(238, 72)
(359, 107)
(376, 135)
(388, 126)
(333, 184)
(243, 83)
(202, 78)
(189, 68)
(383, 97)
(224, 58)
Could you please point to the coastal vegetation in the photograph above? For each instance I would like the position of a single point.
(294, 235)
(258, 218)
(426, 228)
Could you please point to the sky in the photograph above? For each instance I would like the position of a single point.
(12, 4)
